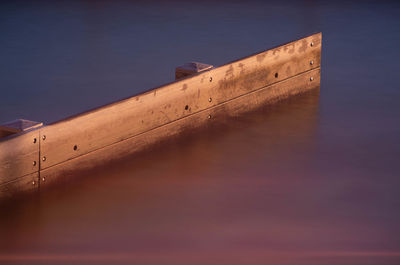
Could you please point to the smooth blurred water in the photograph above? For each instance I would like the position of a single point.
(312, 180)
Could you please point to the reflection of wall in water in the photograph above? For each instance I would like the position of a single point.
(246, 150)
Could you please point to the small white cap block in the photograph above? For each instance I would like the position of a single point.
(191, 68)
(17, 126)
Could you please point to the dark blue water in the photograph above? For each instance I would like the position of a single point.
(313, 180)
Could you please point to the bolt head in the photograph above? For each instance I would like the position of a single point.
(44, 158)
(43, 179)
(34, 163)
(210, 99)
(44, 137)
(311, 78)
(33, 183)
(210, 79)
(312, 44)
(209, 116)
(34, 140)
(311, 62)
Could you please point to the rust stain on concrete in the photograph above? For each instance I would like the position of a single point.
(229, 72)
(303, 46)
(242, 70)
(261, 57)
(291, 50)
(275, 51)
(288, 70)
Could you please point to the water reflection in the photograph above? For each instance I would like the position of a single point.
(246, 189)
(204, 186)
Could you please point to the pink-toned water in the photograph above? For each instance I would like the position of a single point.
(248, 191)
(312, 180)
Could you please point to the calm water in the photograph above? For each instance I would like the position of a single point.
(313, 180)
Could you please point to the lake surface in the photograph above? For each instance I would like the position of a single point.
(312, 180)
